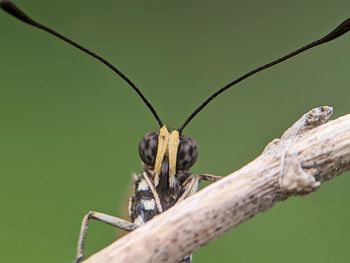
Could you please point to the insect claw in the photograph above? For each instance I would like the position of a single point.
(173, 182)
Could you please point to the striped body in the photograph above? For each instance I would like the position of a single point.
(143, 204)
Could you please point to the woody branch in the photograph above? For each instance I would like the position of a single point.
(307, 155)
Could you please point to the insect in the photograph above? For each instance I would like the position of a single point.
(166, 156)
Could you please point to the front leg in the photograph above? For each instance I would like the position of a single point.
(111, 220)
(209, 177)
(191, 184)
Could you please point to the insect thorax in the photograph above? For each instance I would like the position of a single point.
(143, 204)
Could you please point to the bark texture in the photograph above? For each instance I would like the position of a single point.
(308, 154)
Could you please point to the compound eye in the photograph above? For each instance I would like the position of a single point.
(148, 148)
(187, 153)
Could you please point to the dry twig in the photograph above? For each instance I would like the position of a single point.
(308, 154)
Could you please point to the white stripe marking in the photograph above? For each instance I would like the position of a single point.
(148, 204)
(139, 221)
(143, 186)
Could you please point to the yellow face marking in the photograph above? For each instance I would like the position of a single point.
(174, 141)
(163, 140)
(167, 145)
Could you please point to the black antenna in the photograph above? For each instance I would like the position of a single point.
(12, 9)
(340, 30)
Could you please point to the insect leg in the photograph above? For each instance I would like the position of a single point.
(209, 177)
(192, 184)
(111, 220)
(154, 191)
(187, 259)
(191, 187)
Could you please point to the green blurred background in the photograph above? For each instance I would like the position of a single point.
(70, 127)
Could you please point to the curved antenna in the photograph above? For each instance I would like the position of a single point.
(12, 9)
(340, 30)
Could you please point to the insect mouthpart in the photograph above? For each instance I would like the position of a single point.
(167, 153)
